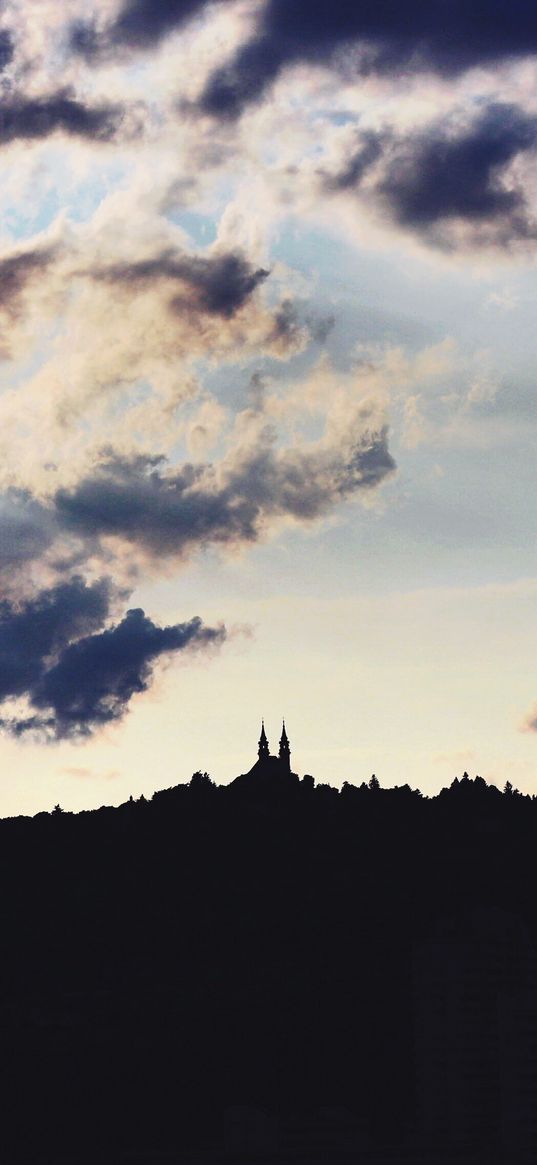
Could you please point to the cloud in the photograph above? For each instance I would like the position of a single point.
(142, 23)
(288, 330)
(26, 118)
(321, 327)
(57, 653)
(81, 772)
(18, 271)
(139, 25)
(440, 175)
(221, 284)
(36, 629)
(283, 457)
(173, 512)
(75, 676)
(27, 531)
(529, 723)
(392, 37)
(95, 678)
(6, 48)
(453, 174)
(369, 149)
(156, 307)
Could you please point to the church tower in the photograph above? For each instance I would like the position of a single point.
(285, 751)
(269, 772)
(263, 749)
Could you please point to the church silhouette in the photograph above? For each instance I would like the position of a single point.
(269, 771)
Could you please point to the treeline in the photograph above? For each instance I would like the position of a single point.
(201, 782)
(463, 791)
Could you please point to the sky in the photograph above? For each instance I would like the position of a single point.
(267, 393)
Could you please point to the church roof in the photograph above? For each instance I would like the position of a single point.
(268, 772)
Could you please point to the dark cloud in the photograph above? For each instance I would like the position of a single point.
(94, 679)
(19, 270)
(6, 48)
(26, 118)
(36, 629)
(162, 513)
(292, 322)
(85, 40)
(369, 149)
(244, 79)
(75, 675)
(139, 25)
(287, 326)
(449, 171)
(440, 176)
(220, 284)
(27, 530)
(447, 36)
(175, 512)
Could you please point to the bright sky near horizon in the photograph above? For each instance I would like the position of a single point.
(267, 402)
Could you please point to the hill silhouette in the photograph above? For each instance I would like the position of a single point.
(276, 970)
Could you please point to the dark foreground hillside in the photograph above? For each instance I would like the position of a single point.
(286, 972)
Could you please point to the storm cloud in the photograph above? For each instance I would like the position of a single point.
(448, 37)
(58, 652)
(27, 531)
(74, 675)
(140, 24)
(94, 679)
(19, 270)
(453, 170)
(177, 511)
(34, 630)
(369, 148)
(26, 118)
(445, 37)
(439, 176)
(144, 22)
(220, 284)
(6, 48)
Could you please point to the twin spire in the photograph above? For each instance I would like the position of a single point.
(284, 751)
(263, 749)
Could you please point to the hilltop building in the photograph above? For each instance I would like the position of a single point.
(269, 770)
